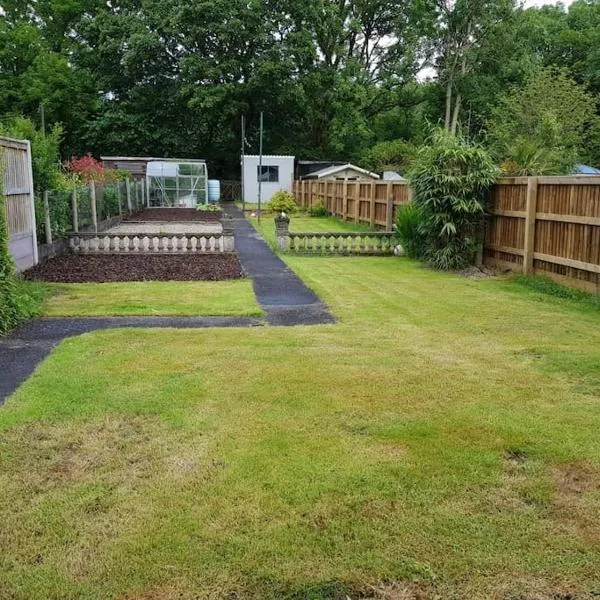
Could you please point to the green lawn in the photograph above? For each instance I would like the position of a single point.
(152, 298)
(440, 441)
(304, 223)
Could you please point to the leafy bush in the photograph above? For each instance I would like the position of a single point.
(409, 231)
(524, 157)
(283, 201)
(543, 126)
(395, 155)
(9, 310)
(319, 209)
(450, 180)
(45, 155)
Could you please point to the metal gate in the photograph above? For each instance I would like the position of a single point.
(15, 165)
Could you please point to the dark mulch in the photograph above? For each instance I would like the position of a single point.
(173, 214)
(78, 268)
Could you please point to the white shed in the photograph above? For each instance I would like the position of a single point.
(277, 174)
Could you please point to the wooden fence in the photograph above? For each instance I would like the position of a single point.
(15, 166)
(546, 225)
(370, 202)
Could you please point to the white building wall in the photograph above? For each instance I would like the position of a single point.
(250, 173)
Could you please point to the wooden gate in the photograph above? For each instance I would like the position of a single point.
(15, 165)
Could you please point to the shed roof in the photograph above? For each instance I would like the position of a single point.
(329, 171)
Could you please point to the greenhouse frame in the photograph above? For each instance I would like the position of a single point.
(176, 183)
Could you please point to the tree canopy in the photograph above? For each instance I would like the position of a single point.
(336, 79)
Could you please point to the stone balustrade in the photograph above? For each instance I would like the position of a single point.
(354, 243)
(159, 243)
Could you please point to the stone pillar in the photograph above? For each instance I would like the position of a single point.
(282, 230)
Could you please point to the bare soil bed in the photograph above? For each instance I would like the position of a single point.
(76, 268)
(173, 214)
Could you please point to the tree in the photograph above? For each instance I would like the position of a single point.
(541, 128)
(462, 27)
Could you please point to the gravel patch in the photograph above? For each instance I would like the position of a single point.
(103, 268)
(173, 214)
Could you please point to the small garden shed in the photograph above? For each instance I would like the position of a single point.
(276, 173)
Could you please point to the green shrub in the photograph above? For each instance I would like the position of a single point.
(319, 209)
(408, 230)
(19, 300)
(450, 180)
(283, 201)
(395, 155)
(9, 309)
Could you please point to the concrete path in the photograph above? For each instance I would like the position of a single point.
(281, 294)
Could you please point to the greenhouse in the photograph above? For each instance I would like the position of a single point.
(176, 183)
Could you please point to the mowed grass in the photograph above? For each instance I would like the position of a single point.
(304, 223)
(440, 441)
(151, 298)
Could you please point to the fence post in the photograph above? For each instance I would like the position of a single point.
(372, 206)
(93, 206)
(345, 200)
(118, 184)
(128, 192)
(357, 202)
(47, 221)
(389, 215)
(530, 212)
(75, 211)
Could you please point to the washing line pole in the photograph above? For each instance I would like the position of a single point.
(260, 162)
(243, 162)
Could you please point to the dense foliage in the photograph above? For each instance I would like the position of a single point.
(18, 300)
(349, 79)
(283, 201)
(543, 127)
(9, 314)
(409, 230)
(450, 179)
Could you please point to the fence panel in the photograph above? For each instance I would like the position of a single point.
(546, 225)
(373, 203)
(15, 167)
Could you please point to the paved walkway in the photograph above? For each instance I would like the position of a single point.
(281, 293)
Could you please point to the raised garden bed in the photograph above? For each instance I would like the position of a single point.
(101, 268)
(173, 214)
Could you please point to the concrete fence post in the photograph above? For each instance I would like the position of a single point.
(75, 211)
(47, 221)
(282, 231)
(93, 206)
(128, 190)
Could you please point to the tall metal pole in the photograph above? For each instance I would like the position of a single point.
(43, 118)
(243, 162)
(260, 157)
